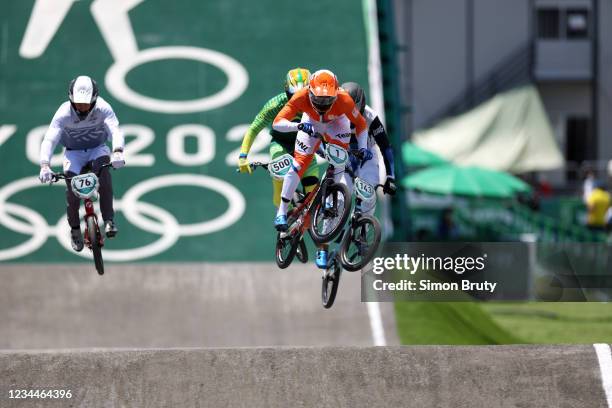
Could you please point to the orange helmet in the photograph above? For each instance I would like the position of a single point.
(323, 90)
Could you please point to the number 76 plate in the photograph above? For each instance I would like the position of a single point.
(85, 185)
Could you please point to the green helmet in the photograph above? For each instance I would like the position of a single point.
(297, 79)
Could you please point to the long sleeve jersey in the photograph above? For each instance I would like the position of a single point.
(377, 134)
(67, 129)
(343, 105)
(264, 119)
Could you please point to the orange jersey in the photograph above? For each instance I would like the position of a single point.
(300, 102)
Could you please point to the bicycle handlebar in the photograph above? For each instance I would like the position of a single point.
(255, 165)
(62, 176)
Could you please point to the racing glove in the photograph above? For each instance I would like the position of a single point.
(243, 164)
(306, 128)
(46, 175)
(118, 161)
(365, 154)
(389, 187)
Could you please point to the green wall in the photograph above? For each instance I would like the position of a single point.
(265, 37)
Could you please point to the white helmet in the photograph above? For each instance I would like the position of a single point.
(83, 89)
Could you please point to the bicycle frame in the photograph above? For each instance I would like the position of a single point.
(309, 201)
(306, 204)
(302, 208)
(299, 217)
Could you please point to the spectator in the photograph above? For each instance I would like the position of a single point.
(609, 172)
(447, 229)
(598, 203)
(587, 186)
(423, 235)
(531, 200)
(544, 187)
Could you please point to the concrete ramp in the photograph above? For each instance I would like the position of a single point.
(424, 376)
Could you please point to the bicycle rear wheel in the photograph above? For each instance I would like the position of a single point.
(330, 213)
(94, 239)
(360, 243)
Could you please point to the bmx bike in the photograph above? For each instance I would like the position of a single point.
(85, 186)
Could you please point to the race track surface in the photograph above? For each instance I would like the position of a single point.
(179, 305)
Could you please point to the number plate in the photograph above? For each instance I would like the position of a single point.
(364, 190)
(336, 155)
(85, 185)
(280, 166)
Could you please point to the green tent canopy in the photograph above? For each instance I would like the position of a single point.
(509, 132)
(466, 181)
(416, 156)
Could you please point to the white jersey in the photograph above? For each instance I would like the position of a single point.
(377, 136)
(66, 128)
(370, 115)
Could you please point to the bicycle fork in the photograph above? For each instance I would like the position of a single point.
(90, 213)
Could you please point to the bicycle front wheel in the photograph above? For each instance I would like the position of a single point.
(330, 283)
(360, 243)
(302, 252)
(94, 239)
(330, 214)
(286, 248)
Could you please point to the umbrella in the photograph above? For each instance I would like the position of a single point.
(416, 156)
(466, 181)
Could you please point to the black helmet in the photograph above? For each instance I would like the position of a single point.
(356, 93)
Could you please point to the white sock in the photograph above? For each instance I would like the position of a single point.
(289, 185)
(282, 208)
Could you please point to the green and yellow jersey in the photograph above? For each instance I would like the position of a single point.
(264, 119)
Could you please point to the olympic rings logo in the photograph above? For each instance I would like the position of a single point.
(113, 20)
(238, 80)
(146, 216)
